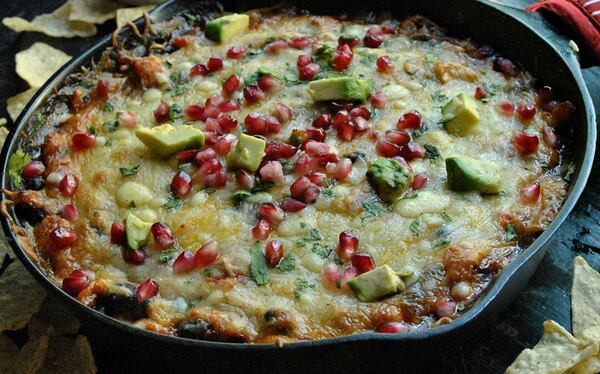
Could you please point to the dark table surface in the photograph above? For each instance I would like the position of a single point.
(547, 295)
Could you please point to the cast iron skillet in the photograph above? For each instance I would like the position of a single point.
(481, 21)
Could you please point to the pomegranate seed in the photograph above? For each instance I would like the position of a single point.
(363, 262)
(276, 46)
(77, 281)
(506, 67)
(318, 135)
(385, 148)
(373, 135)
(384, 64)
(261, 230)
(315, 149)
(199, 70)
(323, 121)
(207, 254)
(390, 29)
(205, 155)
(236, 53)
(349, 40)
(33, 169)
(444, 308)
(276, 150)
(208, 167)
(419, 181)
(253, 94)
(340, 118)
(303, 60)
(481, 93)
(311, 194)
(378, 100)
(342, 57)
(308, 72)
(330, 276)
(81, 141)
(273, 125)
(61, 238)
(290, 205)
(348, 245)
(525, 143)
(273, 253)
(268, 83)
(482, 52)
(506, 108)
(299, 186)
(68, 185)
(255, 124)
(530, 193)
(343, 168)
(298, 42)
(272, 171)
(550, 137)
(345, 132)
(227, 122)
(214, 64)
(184, 263)
(303, 165)
(181, 185)
(146, 290)
(161, 113)
(411, 151)
(362, 111)
(134, 257)
(393, 328)
(224, 144)
(193, 112)
(186, 156)
(271, 213)
(410, 120)
(231, 84)
(373, 38)
(163, 238)
(117, 233)
(229, 106)
(245, 180)
(398, 137)
(69, 212)
(321, 162)
(317, 178)
(361, 125)
(526, 111)
(212, 126)
(101, 90)
(282, 112)
(216, 180)
(127, 119)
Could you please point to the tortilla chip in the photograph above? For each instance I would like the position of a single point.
(33, 353)
(20, 297)
(56, 24)
(37, 63)
(592, 364)
(555, 353)
(585, 297)
(67, 355)
(16, 104)
(93, 11)
(131, 14)
(8, 354)
(55, 314)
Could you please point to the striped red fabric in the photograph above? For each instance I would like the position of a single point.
(581, 15)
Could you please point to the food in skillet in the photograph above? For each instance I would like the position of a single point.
(272, 177)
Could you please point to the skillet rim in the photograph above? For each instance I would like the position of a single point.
(470, 317)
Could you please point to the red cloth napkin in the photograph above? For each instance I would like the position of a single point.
(581, 15)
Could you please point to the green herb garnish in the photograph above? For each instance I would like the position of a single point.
(108, 107)
(303, 285)
(323, 250)
(431, 152)
(258, 265)
(313, 235)
(16, 163)
(287, 263)
(446, 217)
(127, 171)
(167, 255)
(112, 126)
(173, 203)
(569, 172)
(415, 226)
(510, 232)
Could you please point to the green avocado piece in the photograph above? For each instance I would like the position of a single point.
(222, 29)
(460, 115)
(467, 174)
(136, 231)
(340, 88)
(167, 139)
(389, 178)
(248, 153)
(375, 284)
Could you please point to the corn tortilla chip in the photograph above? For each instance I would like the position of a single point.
(592, 364)
(131, 14)
(16, 104)
(585, 297)
(8, 354)
(34, 352)
(93, 11)
(67, 355)
(37, 63)
(555, 353)
(56, 24)
(20, 297)
(54, 313)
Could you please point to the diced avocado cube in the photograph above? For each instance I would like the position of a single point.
(460, 115)
(389, 178)
(467, 174)
(136, 231)
(375, 284)
(167, 139)
(222, 29)
(340, 88)
(248, 153)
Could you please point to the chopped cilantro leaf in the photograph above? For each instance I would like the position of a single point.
(369, 59)
(438, 96)
(510, 232)
(175, 111)
(415, 226)
(287, 263)
(167, 255)
(92, 130)
(291, 78)
(442, 242)
(446, 217)
(570, 170)
(173, 203)
(108, 107)
(16, 163)
(313, 235)
(180, 89)
(239, 197)
(112, 126)
(108, 143)
(323, 250)
(127, 171)
(371, 209)
(302, 286)
(328, 192)
(258, 265)
(40, 118)
(431, 152)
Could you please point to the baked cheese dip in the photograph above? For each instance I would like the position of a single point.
(270, 177)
